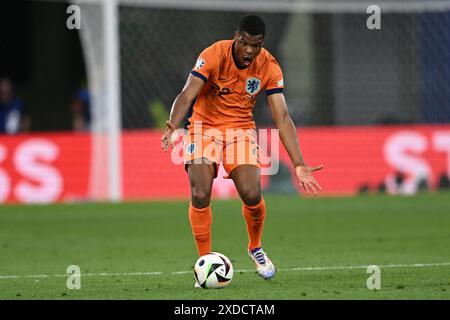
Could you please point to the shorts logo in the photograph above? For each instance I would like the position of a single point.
(253, 85)
(200, 63)
(190, 148)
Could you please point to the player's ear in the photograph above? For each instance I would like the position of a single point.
(236, 35)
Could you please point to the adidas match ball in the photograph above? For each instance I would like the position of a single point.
(213, 271)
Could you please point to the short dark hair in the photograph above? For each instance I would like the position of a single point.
(253, 25)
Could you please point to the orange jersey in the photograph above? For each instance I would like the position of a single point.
(229, 94)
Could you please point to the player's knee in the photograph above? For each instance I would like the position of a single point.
(200, 198)
(251, 197)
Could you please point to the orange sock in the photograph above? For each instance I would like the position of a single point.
(200, 220)
(254, 217)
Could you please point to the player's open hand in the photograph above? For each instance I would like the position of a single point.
(306, 179)
(166, 138)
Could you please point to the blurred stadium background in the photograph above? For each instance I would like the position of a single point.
(372, 105)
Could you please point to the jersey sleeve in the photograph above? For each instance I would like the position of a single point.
(276, 82)
(206, 64)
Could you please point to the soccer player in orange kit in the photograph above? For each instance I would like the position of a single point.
(219, 95)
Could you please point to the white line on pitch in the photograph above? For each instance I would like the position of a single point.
(106, 274)
(101, 274)
(414, 265)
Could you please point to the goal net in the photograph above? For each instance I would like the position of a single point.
(337, 71)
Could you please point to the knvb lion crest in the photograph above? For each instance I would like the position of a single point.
(253, 85)
(190, 148)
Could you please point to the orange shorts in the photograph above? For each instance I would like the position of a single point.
(232, 148)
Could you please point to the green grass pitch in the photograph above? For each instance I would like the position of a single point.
(118, 246)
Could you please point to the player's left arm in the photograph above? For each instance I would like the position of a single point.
(288, 136)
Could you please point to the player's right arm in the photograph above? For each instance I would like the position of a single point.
(180, 107)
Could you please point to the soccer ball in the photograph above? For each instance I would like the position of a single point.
(213, 271)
